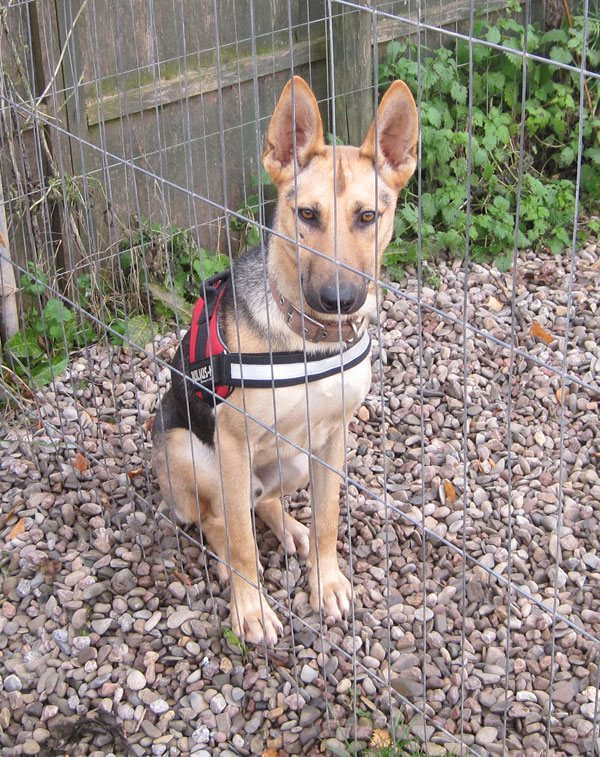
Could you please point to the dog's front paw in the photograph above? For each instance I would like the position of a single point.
(334, 593)
(253, 620)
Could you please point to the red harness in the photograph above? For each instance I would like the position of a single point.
(205, 340)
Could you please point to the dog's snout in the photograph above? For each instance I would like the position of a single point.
(331, 302)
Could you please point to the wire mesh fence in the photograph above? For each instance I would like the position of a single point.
(132, 142)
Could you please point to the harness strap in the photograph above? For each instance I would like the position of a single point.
(216, 372)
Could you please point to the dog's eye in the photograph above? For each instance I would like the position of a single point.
(368, 216)
(307, 214)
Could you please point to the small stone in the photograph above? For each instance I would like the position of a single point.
(218, 703)
(12, 683)
(486, 736)
(158, 706)
(30, 746)
(201, 735)
(308, 674)
(308, 715)
(123, 581)
(101, 625)
(179, 617)
(564, 692)
(136, 680)
(423, 614)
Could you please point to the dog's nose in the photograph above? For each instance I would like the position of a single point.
(331, 303)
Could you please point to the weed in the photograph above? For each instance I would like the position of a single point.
(166, 262)
(40, 352)
(248, 230)
(484, 135)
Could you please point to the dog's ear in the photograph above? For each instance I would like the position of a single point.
(393, 148)
(296, 100)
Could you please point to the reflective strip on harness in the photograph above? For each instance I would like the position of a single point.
(215, 371)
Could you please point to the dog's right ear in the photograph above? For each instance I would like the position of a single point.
(296, 100)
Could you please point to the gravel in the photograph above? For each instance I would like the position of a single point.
(111, 621)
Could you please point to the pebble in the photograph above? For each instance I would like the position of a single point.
(136, 680)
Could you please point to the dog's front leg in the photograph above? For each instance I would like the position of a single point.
(329, 588)
(251, 617)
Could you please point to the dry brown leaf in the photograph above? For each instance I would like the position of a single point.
(182, 577)
(17, 529)
(80, 463)
(270, 753)
(494, 304)
(49, 567)
(539, 331)
(134, 473)
(380, 739)
(559, 394)
(451, 495)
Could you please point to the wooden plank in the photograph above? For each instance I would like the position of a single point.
(101, 108)
(353, 75)
(166, 91)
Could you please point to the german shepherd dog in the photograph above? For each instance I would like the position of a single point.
(309, 291)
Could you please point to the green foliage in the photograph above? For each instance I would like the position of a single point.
(169, 257)
(492, 144)
(247, 228)
(40, 351)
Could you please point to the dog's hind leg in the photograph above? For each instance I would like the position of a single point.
(186, 470)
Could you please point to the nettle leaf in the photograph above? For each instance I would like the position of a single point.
(560, 54)
(458, 92)
(56, 317)
(493, 35)
(566, 156)
(593, 153)
(432, 114)
(554, 35)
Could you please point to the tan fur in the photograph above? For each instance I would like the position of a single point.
(341, 184)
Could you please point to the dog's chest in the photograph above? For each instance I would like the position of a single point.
(322, 405)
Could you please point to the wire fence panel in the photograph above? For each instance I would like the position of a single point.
(143, 152)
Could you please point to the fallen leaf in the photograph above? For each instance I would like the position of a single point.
(270, 753)
(49, 567)
(559, 394)
(133, 473)
(381, 738)
(149, 423)
(538, 331)
(494, 304)
(17, 529)
(80, 463)
(451, 496)
(182, 577)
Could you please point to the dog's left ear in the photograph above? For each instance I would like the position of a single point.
(297, 100)
(395, 143)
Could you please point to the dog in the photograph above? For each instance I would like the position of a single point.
(277, 359)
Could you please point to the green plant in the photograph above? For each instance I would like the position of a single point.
(40, 351)
(394, 743)
(248, 229)
(486, 133)
(166, 262)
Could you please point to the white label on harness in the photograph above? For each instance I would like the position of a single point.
(202, 375)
